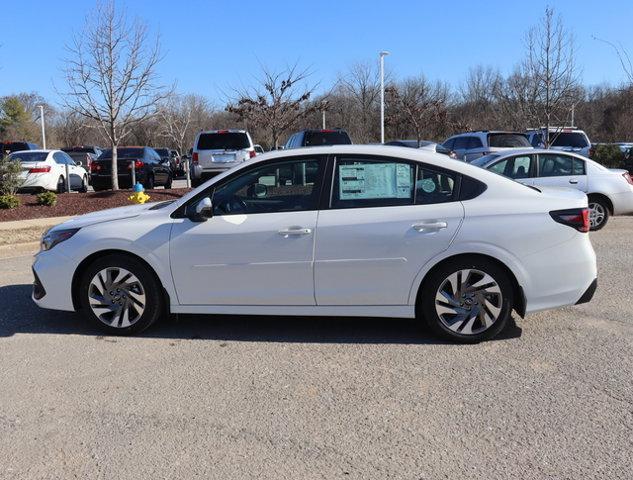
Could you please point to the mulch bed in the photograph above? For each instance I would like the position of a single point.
(79, 203)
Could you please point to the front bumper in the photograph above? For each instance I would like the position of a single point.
(52, 287)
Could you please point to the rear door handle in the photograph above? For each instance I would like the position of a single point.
(430, 226)
(286, 232)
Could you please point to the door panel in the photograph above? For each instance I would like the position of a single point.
(244, 260)
(560, 170)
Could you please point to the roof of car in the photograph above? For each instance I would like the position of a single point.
(531, 151)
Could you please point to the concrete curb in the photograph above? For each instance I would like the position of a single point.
(33, 222)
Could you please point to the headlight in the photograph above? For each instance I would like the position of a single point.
(52, 238)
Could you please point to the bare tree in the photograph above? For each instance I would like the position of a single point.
(550, 66)
(276, 103)
(111, 75)
(623, 57)
(362, 84)
(180, 115)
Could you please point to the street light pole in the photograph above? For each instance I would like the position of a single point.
(41, 107)
(383, 54)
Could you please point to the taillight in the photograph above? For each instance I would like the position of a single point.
(577, 218)
(44, 169)
(95, 167)
(252, 153)
(628, 178)
(138, 164)
(194, 158)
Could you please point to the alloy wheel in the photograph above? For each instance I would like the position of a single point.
(468, 302)
(596, 214)
(116, 297)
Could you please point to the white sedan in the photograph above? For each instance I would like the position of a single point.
(345, 230)
(610, 191)
(46, 170)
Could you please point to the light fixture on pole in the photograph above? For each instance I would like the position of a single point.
(383, 54)
(41, 107)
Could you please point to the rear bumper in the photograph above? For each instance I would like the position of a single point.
(210, 170)
(622, 203)
(125, 180)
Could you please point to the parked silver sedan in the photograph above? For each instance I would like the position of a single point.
(610, 191)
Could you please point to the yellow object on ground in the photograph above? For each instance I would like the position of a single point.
(139, 197)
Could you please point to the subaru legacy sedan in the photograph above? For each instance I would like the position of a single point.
(345, 230)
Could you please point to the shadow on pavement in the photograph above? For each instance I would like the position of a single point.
(19, 314)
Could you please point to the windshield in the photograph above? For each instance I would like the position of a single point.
(569, 139)
(23, 157)
(327, 138)
(481, 161)
(223, 141)
(508, 140)
(123, 153)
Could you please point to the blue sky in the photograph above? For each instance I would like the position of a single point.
(210, 46)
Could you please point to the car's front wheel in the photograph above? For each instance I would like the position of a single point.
(466, 300)
(120, 295)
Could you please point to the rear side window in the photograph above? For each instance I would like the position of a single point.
(507, 140)
(372, 183)
(552, 165)
(460, 143)
(327, 137)
(433, 186)
(516, 167)
(579, 167)
(223, 141)
(474, 142)
(449, 143)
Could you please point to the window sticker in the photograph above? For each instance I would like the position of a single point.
(427, 185)
(374, 180)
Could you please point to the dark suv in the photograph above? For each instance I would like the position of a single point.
(315, 138)
(150, 170)
(16, 147)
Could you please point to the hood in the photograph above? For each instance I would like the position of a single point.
(109, 215)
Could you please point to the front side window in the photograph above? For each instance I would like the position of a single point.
(553, 165)
(461, 143)
(284, 186)
(59, 158)
(362, 182)
(515, 167)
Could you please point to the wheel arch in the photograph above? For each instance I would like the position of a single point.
(519, 304)
(603, 197)
(83, 265)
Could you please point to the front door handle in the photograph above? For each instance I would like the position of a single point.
(430, 226)
(573, 181)
(286, 232)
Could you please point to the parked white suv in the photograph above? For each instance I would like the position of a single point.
(215, 151)
(568, 139)
(471, 145)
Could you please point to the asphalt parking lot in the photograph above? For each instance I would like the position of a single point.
(254, 397)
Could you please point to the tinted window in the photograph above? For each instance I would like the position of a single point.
(434, 186)
(223, 141)
(16, 146)
(449, 143)
(516, 167)
(163, 152)
(552, 165)
(125, 152)
(78, 157)
(29, 156)
(372, 183)
(537, 140)
(573, 140)
(460, 143)
(507, 140)
(474, 142)
(285, 186)
(326, 137)
(579, 167)
(481, 161)
(59, 158)
(79, 150)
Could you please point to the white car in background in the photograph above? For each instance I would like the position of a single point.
(610, 191)
(343, 230)
(215, 151)
(46, 170)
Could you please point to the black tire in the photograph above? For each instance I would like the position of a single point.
(84, 185)
(98, 188)
(426, 304)
(598, 213)
(149, 183)
(154, 304)
(169, 182)
(61, 185)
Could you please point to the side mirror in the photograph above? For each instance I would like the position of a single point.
(202, 211)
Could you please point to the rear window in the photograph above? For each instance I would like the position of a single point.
(163, 152)
(327, 138)
(123, 153)
(78, 150)
(78, 156)
(223, 141)
(29, 156)
(571, 139)
(14, 146)
(508, 140)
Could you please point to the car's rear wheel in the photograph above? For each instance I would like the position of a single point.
(61, 185)
(466, 301)
(149, 183)
(169, 182)
(84, 185)
(598, 213)
(120, 295)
